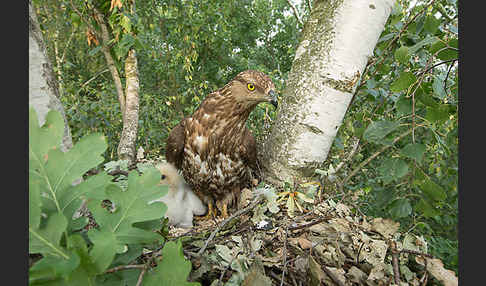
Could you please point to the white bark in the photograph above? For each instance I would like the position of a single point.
(43, 88)
(337, 41)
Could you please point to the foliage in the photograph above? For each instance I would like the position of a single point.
(72, 252)
(404, 112)
(411, 83)
(185, 50)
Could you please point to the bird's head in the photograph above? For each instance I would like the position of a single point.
(169, 175)
(251, 87)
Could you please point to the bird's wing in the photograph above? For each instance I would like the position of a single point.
(250, 152)
(174, 149)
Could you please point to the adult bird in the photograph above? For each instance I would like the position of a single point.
(213, 148)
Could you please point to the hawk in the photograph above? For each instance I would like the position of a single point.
(213, 148)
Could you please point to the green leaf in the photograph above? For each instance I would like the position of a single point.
(414, 150)
(104, 249)
(438, 87)
(126, 23)
(426, 99)
(125, 277)
(93, 188)
(51, 267)
(426, 209)
(34, 202)
(405, 80)
(404, 106)
(449, 54)
(174, 269)
(94, 50)
(402, 55)
(431, 24)
(445, 54)
(400, 208)
(53, 171)
(378, 130)
(437, 114)
(132, 206)
(393, 169)
(77, 244)
(427, 41)
(42, 139)
(432, 190)
(45, 240)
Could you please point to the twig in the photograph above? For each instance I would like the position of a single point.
(274, 275)
(395, 253)
(359, 252)
(118, 172)
(439, 63)
(351, 154)
(284, 255)
(292, 276)
(364, 163)
(447, 75)
(416, 253)
(86, 21)
(91, 79)
(310, 223)
(125, 267)
(140, 277)
(425, 277)
(332, 276)
(224, 222)
(296, 14)
(309, 5)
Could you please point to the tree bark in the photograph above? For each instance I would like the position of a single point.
(43, 87)
(126, 148)
(336, 42)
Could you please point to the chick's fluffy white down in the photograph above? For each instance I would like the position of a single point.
(182, 203)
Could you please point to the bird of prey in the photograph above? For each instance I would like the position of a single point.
(181, 202)
(213, 148)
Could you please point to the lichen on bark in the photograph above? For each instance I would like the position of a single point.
(335, 43)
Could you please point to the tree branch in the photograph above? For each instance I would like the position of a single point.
(364, 163)
(105, 36)
(296, 14)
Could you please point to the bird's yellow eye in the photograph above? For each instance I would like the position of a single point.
(251, 86)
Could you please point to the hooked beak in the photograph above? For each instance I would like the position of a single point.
(273, 98)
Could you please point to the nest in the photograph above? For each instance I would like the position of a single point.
(328, 245)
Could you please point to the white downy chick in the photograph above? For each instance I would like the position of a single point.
(181, 202)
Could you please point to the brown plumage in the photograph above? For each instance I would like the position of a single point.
(213, 148)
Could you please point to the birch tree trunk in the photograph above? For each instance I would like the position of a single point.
(43, 87)
(126, 148)
(336, 43)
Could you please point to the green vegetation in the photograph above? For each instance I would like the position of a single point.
(73, 252)
(404, 114)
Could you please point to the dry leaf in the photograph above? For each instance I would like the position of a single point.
(304, 243)
(436, 268)
(385, 227)
(316, 274)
